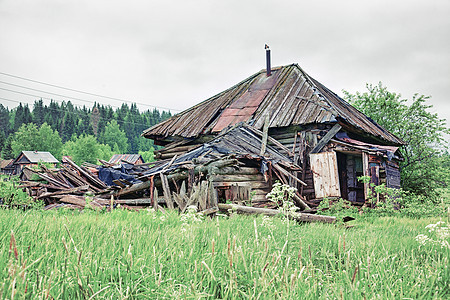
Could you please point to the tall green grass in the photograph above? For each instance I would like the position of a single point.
(120, 255)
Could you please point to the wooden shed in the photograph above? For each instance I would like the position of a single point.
(6, 166)
(331, 141)
(30, 159)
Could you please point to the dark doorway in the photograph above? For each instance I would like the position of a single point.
(350, 167)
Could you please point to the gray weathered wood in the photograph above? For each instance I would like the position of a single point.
(177, 176)
(273, 212)
(280, 169)
(166, 191)
(323, 141)
(264, 136)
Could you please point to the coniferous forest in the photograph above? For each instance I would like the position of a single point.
(85, 133)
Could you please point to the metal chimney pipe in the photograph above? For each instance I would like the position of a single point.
(268, 69)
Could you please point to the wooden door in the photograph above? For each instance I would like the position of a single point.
(325, 173)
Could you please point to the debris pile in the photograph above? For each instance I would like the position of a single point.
(230, 172)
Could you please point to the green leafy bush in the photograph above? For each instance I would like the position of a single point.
(11, 196)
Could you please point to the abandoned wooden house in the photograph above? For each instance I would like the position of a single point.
(323, 142)
(30, 159)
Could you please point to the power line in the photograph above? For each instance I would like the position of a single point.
(78, 114)
(13, 91)
(41, 97)
(86, 93)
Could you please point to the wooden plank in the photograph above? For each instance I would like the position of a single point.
(214, 197)
(264, 136)
(64, 192)
(86, 174)
(280, 169)
(325, 174)
(155, 199)
(151, 190)
(270, 139)
(323, 141)
(203, 195)
(365, 161)
(166, 191)
(117, 182)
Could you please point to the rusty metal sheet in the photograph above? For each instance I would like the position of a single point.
(246, 111)
(249, 98)
(226, 121)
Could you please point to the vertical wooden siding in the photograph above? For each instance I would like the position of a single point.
(325, 173)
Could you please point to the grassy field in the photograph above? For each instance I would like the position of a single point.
(118, 255)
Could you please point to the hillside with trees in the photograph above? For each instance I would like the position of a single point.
(81, 132)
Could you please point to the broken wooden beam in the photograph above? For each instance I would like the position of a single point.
(323, 141)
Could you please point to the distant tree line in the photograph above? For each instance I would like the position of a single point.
(82, 132)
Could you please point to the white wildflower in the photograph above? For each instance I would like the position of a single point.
(439, 235)
(267, 222)
(422, 239)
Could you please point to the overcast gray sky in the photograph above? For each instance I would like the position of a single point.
(174, 54)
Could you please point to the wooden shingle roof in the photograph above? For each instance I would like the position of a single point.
(289, 96)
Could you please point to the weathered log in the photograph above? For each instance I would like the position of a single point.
(176, 149)
(273, 212)
(140, 201)
(170, 155)
(64, 192)
(209, 211)
(237, 178)
(252, 184)
(77, 200)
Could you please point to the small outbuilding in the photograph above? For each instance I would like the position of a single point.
(6, 166)
(30, 159)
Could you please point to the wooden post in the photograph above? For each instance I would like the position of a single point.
(166, 191)
(265, 135)
(152, 186)
(365, 161)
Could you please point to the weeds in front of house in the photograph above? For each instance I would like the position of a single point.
(82, 255)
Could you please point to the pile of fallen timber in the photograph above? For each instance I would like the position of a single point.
(53, 184)
(79, 187)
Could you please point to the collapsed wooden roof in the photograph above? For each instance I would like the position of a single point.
(289, 96)
(240, 140)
